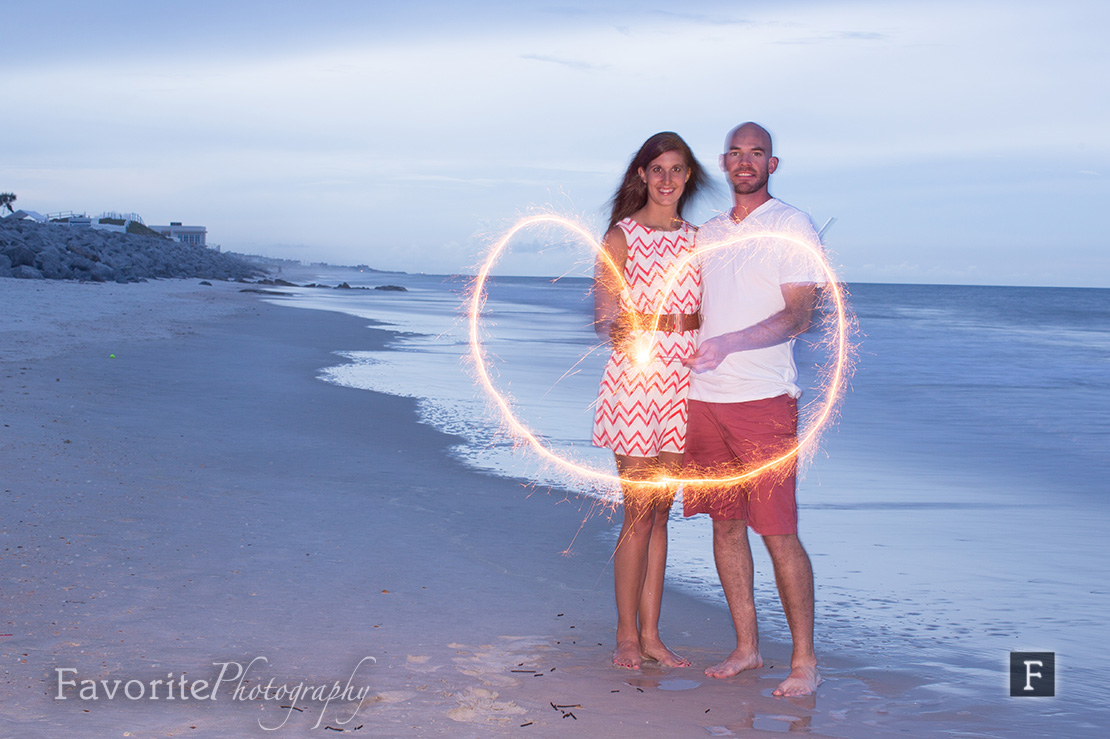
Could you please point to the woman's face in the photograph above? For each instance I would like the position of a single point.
(666, 177)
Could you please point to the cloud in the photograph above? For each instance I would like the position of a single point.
(834, 38)
(572, 63)
(863, 36)
(704, 18)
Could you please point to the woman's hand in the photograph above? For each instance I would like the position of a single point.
(620, 332)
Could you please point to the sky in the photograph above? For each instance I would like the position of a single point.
(953, 142)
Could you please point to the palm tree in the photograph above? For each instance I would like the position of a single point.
(6, 200)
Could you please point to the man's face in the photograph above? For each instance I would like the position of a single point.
(748, 161)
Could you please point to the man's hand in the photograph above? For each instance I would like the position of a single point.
(708, 356)
(778, 328)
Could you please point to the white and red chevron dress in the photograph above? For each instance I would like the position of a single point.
(641, 409)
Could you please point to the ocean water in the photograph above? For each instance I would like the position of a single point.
(957, 511)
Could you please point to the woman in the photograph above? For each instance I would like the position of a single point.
(644, 270)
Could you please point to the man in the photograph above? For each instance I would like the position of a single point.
(759, 287)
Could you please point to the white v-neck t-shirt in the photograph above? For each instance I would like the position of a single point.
(743, 266)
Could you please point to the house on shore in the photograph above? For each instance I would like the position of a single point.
(120, 222)
(27, 215)
(107, 221)
(196, 235)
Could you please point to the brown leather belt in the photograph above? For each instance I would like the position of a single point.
(668, 322)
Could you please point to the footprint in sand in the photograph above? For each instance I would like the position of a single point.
(493, 664)
(478, 705)
(419, 663)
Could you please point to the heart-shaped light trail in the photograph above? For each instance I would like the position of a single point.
(834, 383)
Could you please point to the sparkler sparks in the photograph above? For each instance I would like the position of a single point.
(837, 335)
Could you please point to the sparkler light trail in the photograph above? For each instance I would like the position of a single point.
(834, 382)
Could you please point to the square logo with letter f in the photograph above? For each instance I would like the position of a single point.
(1033, 674)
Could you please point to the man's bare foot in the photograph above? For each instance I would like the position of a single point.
(800, 681)
(627, 654)
(735, 663)
(655, 649)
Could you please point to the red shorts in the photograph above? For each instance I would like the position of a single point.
(725, 439)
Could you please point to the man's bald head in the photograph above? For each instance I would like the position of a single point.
(750, 129)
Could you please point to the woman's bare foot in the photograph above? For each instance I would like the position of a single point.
(800, 681)
(655, 649)
(735, 663)
(627, 654)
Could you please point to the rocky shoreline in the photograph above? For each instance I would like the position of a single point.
(32, 250)
(278, 282)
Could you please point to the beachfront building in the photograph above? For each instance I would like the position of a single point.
(27, 215)
(107, 221)
(196, 235)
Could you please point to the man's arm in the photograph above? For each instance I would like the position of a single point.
(793, 319)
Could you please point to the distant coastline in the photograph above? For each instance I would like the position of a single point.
(35, 251)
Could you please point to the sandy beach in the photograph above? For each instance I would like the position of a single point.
(185, 503)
